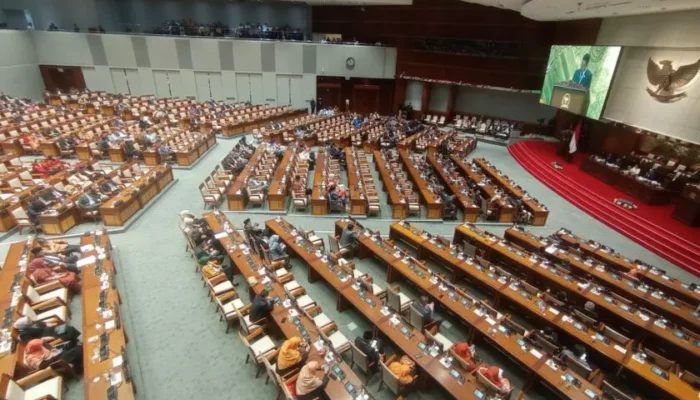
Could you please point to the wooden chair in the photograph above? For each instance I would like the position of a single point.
(493, 389)
(41, 385)
(335, 247)
(299, 201)
(23, 221)
(210, 198)
(55, 290)
(47, 310)
(259, 347)
(332, 335)
(415, 318)
(388, 378)
(360, 359)
(611, 392)
(255, 197)
(228, 304)
(397, 301)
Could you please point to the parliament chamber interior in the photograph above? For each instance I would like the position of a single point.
(340, 199)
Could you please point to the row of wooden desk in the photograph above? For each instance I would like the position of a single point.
(117, 210)
(493, 328)
(538, 305)
(397, 202)
(248, 264)
(535, 268)
(236, 195)
(432, 202)
(11, 301)
(654, 276)
(242, 127)
(628, 184)
(280, 183)
(470, 210)
(612, 272)
(505, 210)
(105, 361)
(365, 302)
(539, 212)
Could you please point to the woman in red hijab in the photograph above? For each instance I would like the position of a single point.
(495, 376)
(465, 352)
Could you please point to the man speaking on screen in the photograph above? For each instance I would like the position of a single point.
(583, 76)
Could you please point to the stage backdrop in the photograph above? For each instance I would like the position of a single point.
(636, 100)
(565, 66)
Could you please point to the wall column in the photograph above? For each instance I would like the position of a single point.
(425, 103)
(452, 97)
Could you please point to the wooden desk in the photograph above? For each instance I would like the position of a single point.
(117, 154)
(60, 222)
(539, 212)
(399, 207)
(650, 275)
(688, 205)
(236, 194)
(627, 184)
(250, 266)
(50, 148)
(505, 210)
(432, 202)
(279, 185)
(10, 282)
(185, 158)
(99, 281)
(349, 294)
(465, 307)
(151, 157)
(535, 269)
(319, 201)
(120, 208)
(358, 200)
(13, 147)
(469, 208)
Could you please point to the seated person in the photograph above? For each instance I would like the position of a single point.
(348, 238)
(466, 353)
(261, 307)
(256, 184)
(276, 248)
(578, 353)
(308, 385)
(495, 376)
(373, 348)
(91, 199)
(166, 152)
(38, 168)
(58, 246)
(335, 199)
(109, 188)
(427, 308)
(28, 330)
(30, 142)
(293, 354)
(35, 209)
(38, 355)
(298, 185)
(404, 369)
(55, 262)
(130, 149)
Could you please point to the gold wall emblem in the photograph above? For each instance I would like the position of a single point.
(670, 83)
(565, 101)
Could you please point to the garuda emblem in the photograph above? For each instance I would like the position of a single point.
(671, 83)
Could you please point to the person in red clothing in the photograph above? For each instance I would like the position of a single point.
(495, 376)
(466, 353)
(39, 168)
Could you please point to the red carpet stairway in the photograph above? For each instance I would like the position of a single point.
(650, 226)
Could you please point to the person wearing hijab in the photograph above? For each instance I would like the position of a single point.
(28, 330)
(466, 353)
(38, 356)
(292, 354)
(495, 376)
(404, 370)
(309, 385)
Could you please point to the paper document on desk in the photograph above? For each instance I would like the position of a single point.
(620, 349)
(117, 362)
(86, 248)
(536, 353)
(551, 249)
(85, 261)
(116, 379)
(220, 235)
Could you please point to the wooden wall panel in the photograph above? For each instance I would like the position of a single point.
(365, 95)
(400, 26)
